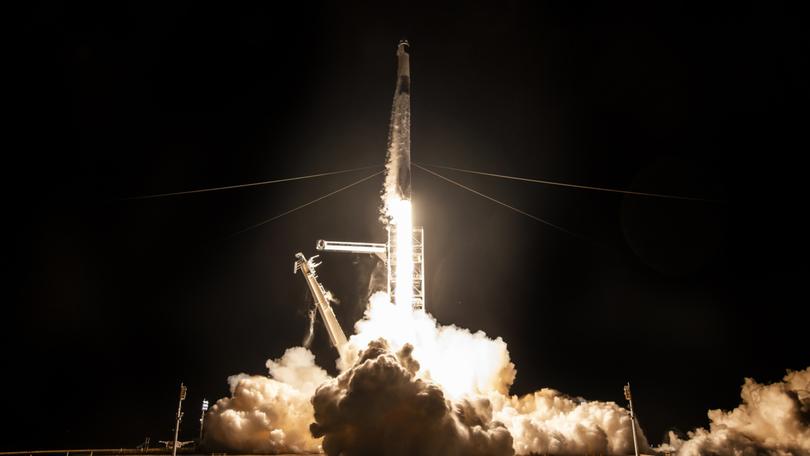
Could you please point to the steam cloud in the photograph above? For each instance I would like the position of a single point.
(414, 387)
(549, 422)
(380, 406)
(417, 387)
(268, 414)
(771, 420)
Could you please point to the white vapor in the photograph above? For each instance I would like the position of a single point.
(268, 414)
(461, 362)
(474, 373)
(414, 386)
(549, 422)
(380, 406)
(771, 420)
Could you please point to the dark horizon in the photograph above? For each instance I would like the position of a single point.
(114, 302)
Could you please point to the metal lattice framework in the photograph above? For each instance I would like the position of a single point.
(418, 302)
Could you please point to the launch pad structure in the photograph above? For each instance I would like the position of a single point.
(388, 253)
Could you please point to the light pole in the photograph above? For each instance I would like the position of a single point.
(629, 398)
(202, 417)
(179, 417)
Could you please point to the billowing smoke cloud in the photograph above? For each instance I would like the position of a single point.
(460, 361)
(380, 406)
(549, 422)
(412, 387)
(268, 414)
(475, 373)
(417, 387)
(771, 420)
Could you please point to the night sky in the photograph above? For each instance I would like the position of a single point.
(112, 302)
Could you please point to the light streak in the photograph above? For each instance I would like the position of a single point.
(306, 204)
(582, 187)
(253, 184)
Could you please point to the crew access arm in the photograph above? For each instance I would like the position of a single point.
(307, 268)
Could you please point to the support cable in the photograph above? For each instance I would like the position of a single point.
(497, 201)
(585, 187)
(254, 184)
(307, 204)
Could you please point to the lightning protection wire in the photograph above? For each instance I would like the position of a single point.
(254, 184)
(307, 204)
(584, 187)
(498, 201)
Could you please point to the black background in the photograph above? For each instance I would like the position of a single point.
(113, 302)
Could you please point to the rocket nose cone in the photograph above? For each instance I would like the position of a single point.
(403, 47)
(403, 62)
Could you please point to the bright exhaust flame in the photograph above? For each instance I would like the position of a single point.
(402, 219)
(462, 362)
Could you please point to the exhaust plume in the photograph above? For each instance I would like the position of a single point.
(473, 370)
(414, 386)
(461, 362)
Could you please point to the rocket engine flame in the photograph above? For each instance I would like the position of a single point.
(401, 219)
(462, 362)
(379, 406)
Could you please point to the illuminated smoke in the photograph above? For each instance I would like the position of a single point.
(473, 370)
(461, 362)
(380, 406)
(417, 387)
(549, 422)
(771, 420)
(268, 414)
(413, 387)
